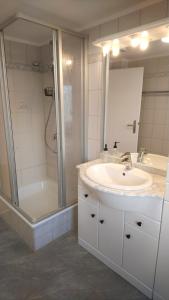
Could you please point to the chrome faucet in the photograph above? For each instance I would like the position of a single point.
(126, 159)
(141, 155)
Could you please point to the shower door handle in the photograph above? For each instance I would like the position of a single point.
(133, 125)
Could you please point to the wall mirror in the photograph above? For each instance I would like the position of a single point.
(137, 96)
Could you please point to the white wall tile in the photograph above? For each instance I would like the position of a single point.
(160, 116)
(156, 146)
(93, 149)
(18, 53)
(95, 76)
(148, 116)
(94, 128)
(95, 102)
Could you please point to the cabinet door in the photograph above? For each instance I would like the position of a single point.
(139, 256)
(88, 222)
(162, 272)
(111, 227)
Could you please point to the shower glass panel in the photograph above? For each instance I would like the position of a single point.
(5, 188)
(72, 64)
(29, 62)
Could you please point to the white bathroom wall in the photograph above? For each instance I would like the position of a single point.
(26, 100)
(95, 108)
(146, 15)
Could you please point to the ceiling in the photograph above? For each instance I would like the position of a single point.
(28, 32)
(74, 14)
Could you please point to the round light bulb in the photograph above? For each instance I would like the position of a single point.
(115, 52)
(144, 43)
(165, 39)
(135, 41)
(106, 49)
(144, 34)
(116, 48)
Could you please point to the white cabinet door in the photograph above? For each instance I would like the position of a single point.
(88, 222)
(111, 229)
(162, 272)
(139, 256)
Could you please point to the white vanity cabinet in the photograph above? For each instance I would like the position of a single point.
(126, 241)
(100, 226)
(139, 255)
(111, 228)
(88, 215)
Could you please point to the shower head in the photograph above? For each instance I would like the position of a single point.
(49, 91)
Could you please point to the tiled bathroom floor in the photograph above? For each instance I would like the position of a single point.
(60, 271)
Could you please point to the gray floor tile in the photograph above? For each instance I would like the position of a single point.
(61, 271)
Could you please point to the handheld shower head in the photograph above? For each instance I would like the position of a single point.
(49, 91)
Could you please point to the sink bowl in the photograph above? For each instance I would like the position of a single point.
(115, 176)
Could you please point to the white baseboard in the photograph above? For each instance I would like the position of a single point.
(119, 270)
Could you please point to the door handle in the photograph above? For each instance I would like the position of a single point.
(133, 125)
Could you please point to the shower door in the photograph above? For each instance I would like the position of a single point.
(44, 93)
(71, 61)
(30, 74)
(5, 180)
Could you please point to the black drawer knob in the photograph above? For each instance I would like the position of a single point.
(128, 236)
(101, 221)
(92, 215)
(139, 224)
(86, 195)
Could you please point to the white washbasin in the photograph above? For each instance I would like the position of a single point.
(114, 176)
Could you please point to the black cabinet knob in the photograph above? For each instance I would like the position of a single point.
(139, 224)
(92, 215)
(86, 195)
(128, 236)
(101, 221)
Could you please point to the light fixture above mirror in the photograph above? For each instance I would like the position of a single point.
(139, 38)
(165, 38)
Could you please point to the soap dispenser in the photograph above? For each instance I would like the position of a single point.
(115, 151)
(104, 153)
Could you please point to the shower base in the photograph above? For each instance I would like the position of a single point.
(39, 199)
(42, 232)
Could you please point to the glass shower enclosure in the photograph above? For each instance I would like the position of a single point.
(41, 117)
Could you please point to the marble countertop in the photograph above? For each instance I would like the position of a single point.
(157, 188)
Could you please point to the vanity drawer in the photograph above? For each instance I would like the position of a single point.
(84, 193)
(143, 223)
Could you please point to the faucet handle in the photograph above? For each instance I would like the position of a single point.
(115, 144)
(125, 154)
